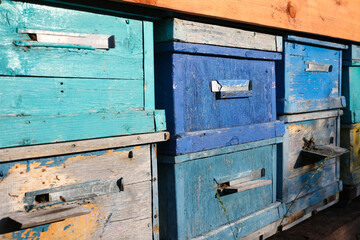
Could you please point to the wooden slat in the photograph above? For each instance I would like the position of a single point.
(11, 154)
(338, 18)
(44, 216)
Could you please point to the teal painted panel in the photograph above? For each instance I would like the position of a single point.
(30, 130)
(34, 96)
(149, 75)
(351, 91)
(124, 61)
(189, 206)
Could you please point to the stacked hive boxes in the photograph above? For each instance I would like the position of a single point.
(217, 173)
(71, 75)
(308, 96)
(350, 129)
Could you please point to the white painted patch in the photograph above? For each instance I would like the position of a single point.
(13, 61)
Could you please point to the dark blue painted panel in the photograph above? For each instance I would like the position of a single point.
(183, 88)
(191, 48)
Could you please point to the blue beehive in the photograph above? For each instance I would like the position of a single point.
(224, 193)
(308, 164)
(70, 75)
(215, 96)
(309, 76)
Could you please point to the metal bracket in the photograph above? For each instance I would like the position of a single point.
(316, 67)
(42, 38)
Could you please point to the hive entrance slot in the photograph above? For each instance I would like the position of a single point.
(42, 198)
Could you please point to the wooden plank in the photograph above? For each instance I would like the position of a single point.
(31, 130)
(35, 96)
(132, 164)
(155, 194)
(201, 33)
(46, 150)
(215, 138)
(338, 19)
(219, 151)
(192, 48)
(45, 216)
(149, 74)
(310, 116)
(315, 42)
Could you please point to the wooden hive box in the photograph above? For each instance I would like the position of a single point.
(350, 163)
(308, 164)
(309, 76)
(217, 85)
(351, 85)
(93, 190)
(70, 75)
(223, 193)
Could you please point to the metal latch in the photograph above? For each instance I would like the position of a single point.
(42, 38)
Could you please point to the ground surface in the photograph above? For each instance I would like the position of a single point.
(334, 223)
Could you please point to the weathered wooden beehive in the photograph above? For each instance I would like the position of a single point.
(309, 99)
(79, 125)
(217, 174)
(350, 164)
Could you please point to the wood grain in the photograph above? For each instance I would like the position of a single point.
(334, 18)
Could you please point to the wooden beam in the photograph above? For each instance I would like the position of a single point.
(45, 150)
(334, 18)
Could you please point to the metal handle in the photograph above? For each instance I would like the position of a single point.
(316, 67)
(232, 88)
(243, 181)
(41, 38)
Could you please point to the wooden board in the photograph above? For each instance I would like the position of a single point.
(201, 33)
(46, 150)
(45, 216)
(337, 18)
(31, 130)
